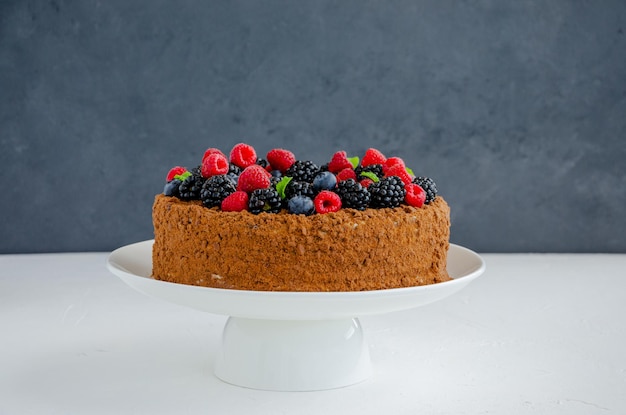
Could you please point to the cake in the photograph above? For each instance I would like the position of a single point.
(285, 224)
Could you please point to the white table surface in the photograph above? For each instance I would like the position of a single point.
(536, 334)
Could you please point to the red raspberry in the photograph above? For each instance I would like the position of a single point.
(253, 177)
(345, 174)
(243, 155)
(235, 202)
(392, 161)
(212, 150)
(174, 171)
(373, 156)
(327, 201)
(415, 195)
(400, 171)
(339, 162)
(366, 182)
(213, 165)
(280, 159)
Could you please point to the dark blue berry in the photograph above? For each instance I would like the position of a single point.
(301, 205)
(324, 180)
(171, 188)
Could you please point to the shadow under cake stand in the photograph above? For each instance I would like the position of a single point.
(291, 341)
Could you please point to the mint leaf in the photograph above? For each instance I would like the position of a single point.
(282, 185)
(183, 176)
(409, 171)
(354, 161)
(370, 175)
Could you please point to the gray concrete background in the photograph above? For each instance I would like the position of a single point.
(517, 109)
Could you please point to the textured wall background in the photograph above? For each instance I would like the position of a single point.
(517, 109)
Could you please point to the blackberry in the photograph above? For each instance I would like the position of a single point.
(264, 200)
(353, 195)
(190, 188)
(302, 171)
(388, 192)
(234, 169)
(262, 162)
(429, 187)
(377, 169)
(296, 188)
(215, 189)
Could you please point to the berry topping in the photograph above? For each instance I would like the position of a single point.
(392, 161)
(190, 187)
(373, 156)
(215, 189)
(327, 201)
(366, 182)
(243, 155)
(175, 171)
(280, 159)
(345, 174)
(401, 172)
(301, 205)
(388, 192)
(264, 200)
(369, 170)
(353, 195)
(338, 162)
(235, 202)
(253, 177)
(324, 180)
(415, 195)
(303, 171)
(171, 187)
(212, 150)
(296, 188)
(429, 187)
(213, 165)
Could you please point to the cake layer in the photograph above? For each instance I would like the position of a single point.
(348, 250)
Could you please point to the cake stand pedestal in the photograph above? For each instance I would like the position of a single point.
(291, 341)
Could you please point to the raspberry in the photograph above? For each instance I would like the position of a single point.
(213, 165)
(210, 151)
(235, 202)
(243, 155)
(400, 171)
(373, 156)
(327, 201)
(253, 177)
(345, 174)
(415, 195)
(429, 187)
(392, 161)
(366, 182)
(174, 171)
(280, 159)
(339, 162)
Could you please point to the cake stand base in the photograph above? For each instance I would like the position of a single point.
(293, 355)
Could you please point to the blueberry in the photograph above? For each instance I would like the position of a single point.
(171, 188)
(276, 173)
(301, 205)
(324, 180)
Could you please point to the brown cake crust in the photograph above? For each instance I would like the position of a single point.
(348, 250)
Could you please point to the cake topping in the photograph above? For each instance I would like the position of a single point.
(327, 201)
(235, 202)
(280, 159)
(298, 186)
(243, 155)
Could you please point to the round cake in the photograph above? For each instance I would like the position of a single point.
(283, 224)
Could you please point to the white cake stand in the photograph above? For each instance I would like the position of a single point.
(291, 341)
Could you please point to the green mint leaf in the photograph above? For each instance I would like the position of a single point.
(409, 171)
(354, 161)
(183, 176)
(282, 185)
(370, 175)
